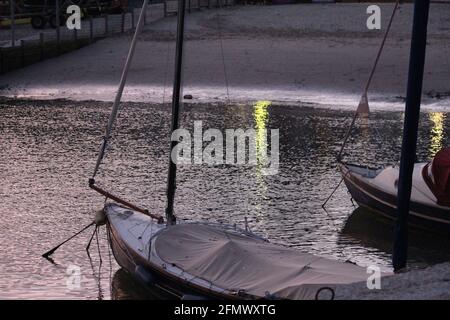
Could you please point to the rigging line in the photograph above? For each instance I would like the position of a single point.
(97, 278)
(242, 194)
(51, 251)
(90, 241)
(332, 193)
(380, 138)
(219, 28)
(369, 80)
(123, 80)
(98, 246)
(150, 243)
(149, 224)
(100, 291)
(222, 54)
(366, 88)
(225, 74)
(165, 72)
(109, 254)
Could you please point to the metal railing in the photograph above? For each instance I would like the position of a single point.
(27, 46)
(22, 45)
(171, 6)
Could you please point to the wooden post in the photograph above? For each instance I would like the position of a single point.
(91, 29)
(22, 52)
(41, 46)
(410, 128)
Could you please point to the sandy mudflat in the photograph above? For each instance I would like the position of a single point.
(317, 53)
(430, 283)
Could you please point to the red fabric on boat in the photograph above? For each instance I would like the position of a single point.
(439, 182)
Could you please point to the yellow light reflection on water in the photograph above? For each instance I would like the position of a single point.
(261, 116)
(436, 133)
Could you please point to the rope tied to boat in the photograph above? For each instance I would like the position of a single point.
(363, 106)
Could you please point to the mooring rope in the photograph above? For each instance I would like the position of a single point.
(219, 28)
(364, 101)
(109, 255)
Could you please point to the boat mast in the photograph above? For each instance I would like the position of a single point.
(171, 179)
(410, 127)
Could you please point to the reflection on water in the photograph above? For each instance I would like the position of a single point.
(371, 230)
(261, 117)
(125, 287)
(437, 132)
(49, 150)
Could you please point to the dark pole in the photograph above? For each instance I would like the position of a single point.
(171, 184)
(411, 124)
(13, 22)
(58, 33)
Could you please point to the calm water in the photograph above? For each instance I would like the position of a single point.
(48, 151)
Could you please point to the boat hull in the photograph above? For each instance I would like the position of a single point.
(424, 216)
(151, 276)
(201, 260)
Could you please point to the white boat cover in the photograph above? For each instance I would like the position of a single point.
(387, 180)
(236, 262)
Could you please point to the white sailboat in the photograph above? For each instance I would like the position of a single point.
(377, 188)
(197, 260)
